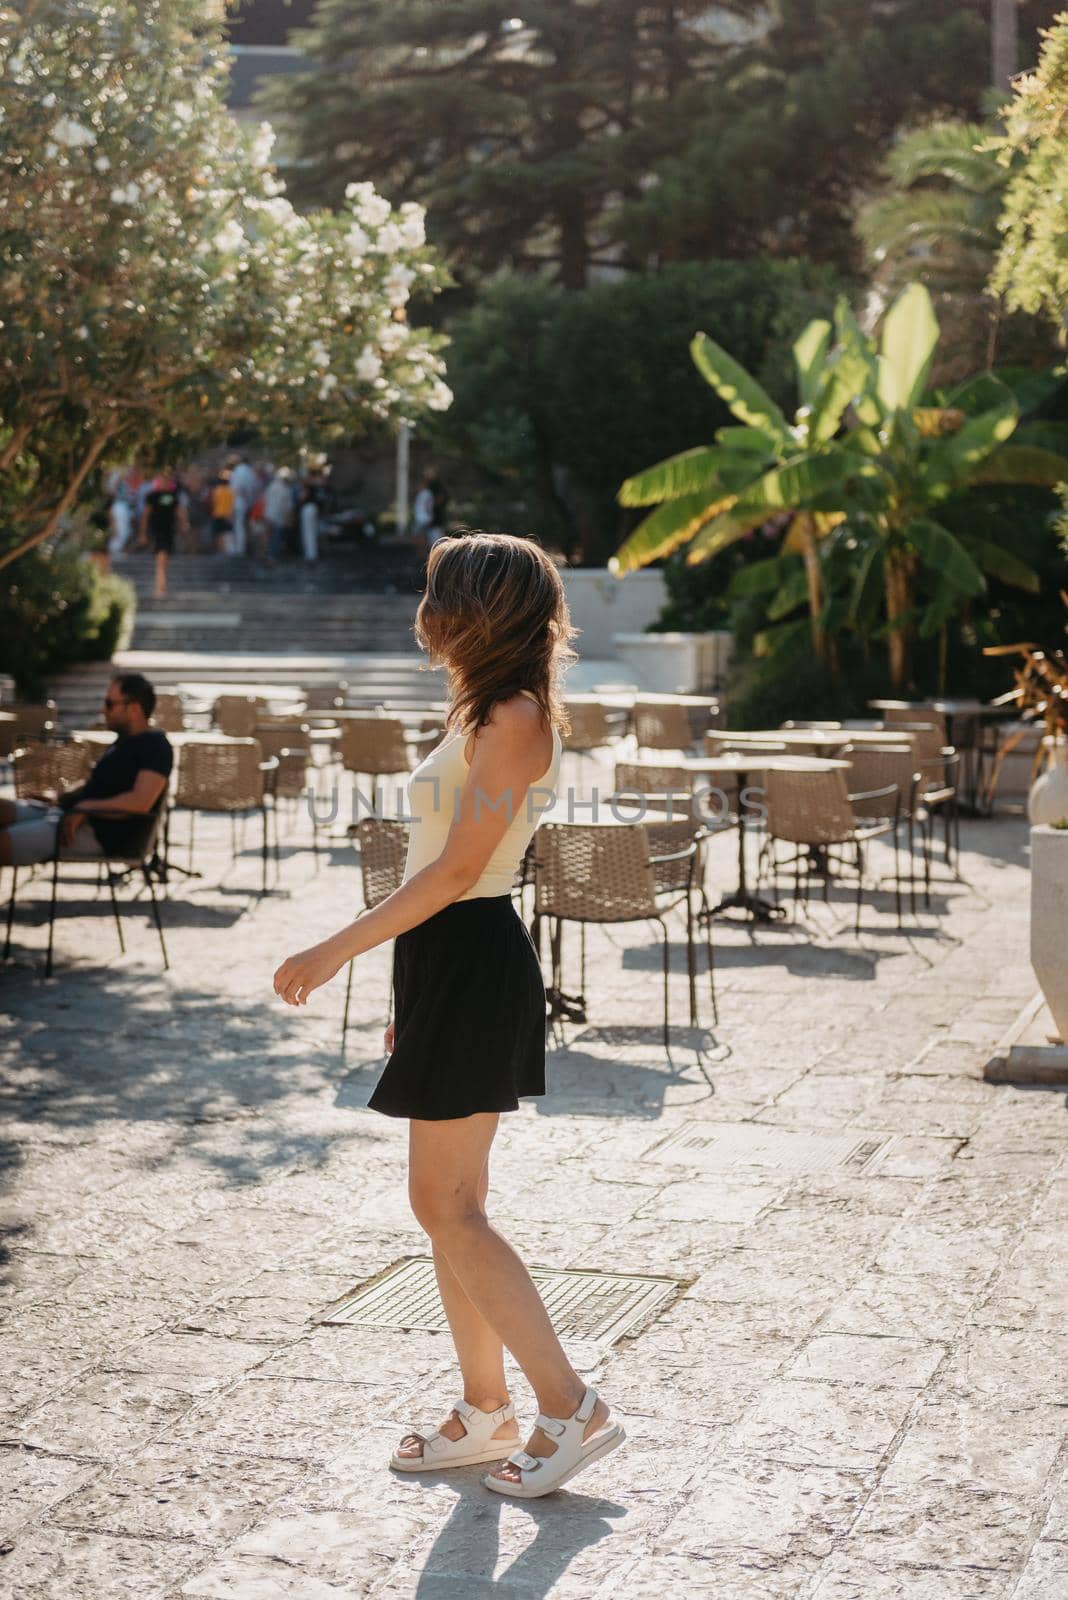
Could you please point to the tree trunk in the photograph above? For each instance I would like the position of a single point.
(803, 523)
(897, 606)
(70, 495)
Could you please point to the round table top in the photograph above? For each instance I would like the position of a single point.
(761, 761)
(185, 736)
(831, 737)
(948, 708)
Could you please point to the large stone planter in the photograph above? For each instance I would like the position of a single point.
(676, 663)
(1049, 919)
(1048, 800)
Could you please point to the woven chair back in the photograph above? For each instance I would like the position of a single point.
(274, 737)
(661, 725)
(40, 766)
(665, 839)
(383, 846)
(373, 745)
(237, 714)
(593, 873)
(808, 807)
(591, 726)
(876, 768)
(34, 721)
(168, 714)
(223, 776)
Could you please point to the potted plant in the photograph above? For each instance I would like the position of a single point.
(1041, 694)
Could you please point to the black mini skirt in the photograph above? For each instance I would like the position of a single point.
(469, 1015)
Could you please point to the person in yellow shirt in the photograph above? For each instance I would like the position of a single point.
(222, 511)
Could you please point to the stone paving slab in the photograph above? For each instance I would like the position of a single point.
(858, 1395)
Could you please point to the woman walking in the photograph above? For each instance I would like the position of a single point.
(468, 1037)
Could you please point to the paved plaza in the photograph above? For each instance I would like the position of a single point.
(858, 1393)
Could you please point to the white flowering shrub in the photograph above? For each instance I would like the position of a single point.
(155, 282)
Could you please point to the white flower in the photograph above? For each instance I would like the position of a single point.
(397, 282)
(125, 196)
(358, 241)
(82, 332)
(102, 164)
(263, 144)
(368, 365)
(440, 396)
(412, 225)
(371, 209)
(319, 354)
(389, 240)
(328, 382)
(72, 134)
(230, 237)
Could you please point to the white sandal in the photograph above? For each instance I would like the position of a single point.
(475, 1445)
(539, 1475)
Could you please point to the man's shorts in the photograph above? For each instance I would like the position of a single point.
(33, 836)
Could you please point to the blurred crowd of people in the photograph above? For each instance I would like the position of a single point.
(260, 511)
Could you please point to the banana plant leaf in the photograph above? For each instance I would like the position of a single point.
(810, 352)
(909, 340)
(944, 554)
(669, 526)
(1021, 463)
(692, 470)
(853, 340)
(747, 400)
(790, 595)
(1000, 564)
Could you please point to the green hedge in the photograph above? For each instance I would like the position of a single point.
(58, 609)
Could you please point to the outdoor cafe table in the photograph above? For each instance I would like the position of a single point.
(827, 738)
(743, 767)
(957, 714)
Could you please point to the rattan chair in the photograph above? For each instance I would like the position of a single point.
(324, 696)
(382, 843)
(593, 726)
(143, 859)
(34, 721)
(655, 783)
(887, 785)
(169, 714)
(228, 777)
(663, 725)
(50, 768)
(236, 715)
(376, 747)
(814, 812)
(586, 872)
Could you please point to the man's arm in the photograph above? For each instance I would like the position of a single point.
(147, 789)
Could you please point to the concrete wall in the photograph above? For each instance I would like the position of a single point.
(602, 605)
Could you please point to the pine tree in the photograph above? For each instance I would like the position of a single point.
(522, 135)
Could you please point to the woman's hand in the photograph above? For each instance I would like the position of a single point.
(299, 975)
(387, 1039)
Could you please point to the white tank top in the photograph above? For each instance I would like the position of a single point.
(433, 794)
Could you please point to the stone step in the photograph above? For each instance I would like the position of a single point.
(381, 675)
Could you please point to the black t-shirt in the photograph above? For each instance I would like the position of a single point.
(116, 773)
(162, 512)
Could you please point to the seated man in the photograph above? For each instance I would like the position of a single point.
(130, 776)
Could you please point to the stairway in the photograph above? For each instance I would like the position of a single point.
(229, 624)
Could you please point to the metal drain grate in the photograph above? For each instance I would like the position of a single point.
(724, 1147)
(599, 1306)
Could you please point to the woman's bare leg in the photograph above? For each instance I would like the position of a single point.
(448, 1160)
(478, 1350)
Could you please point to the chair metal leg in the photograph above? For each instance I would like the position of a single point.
(860, 882)
(897, 875)
(263, 812)
(348, 997)
(691, 961)
(115, 910)
(667, 975)
(158, 918)
(11, 911)
(711, 959)
(52, 914)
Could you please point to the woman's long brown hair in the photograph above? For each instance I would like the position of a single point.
(495, 614)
